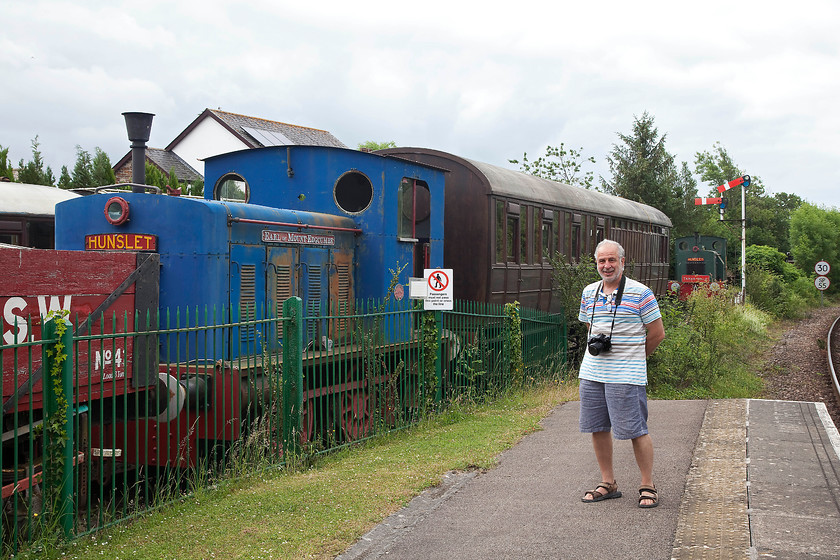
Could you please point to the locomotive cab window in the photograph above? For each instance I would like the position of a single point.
(353, 192)
(233, 188)
(415, 210)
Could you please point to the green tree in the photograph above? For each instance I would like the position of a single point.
(196, 188)
(643, 171)
(774, 285)
(559, 164)
(814, 237)
(101, 170)
(82, 177)
(768, 217)
(6, 165)
(64, 180)
(33, 171)
(155, 177)
(372, 146)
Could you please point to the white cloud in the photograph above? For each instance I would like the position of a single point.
(486, 82)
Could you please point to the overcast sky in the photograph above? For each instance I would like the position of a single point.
(487, 83)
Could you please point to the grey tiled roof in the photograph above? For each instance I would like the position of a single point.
(167, 161)
(300, 135)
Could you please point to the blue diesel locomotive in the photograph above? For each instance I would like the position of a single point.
(323, 224)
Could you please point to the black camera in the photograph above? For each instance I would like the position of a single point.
(599, 343)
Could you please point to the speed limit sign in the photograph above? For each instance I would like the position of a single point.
(822, 268)
(822, 283)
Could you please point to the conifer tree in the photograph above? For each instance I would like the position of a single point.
(64, 180)
(82, 177)
(33, 172)
(102, 172)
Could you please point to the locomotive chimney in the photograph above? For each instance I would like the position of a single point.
(139, 126)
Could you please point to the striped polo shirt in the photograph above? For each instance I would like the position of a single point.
(625, 362)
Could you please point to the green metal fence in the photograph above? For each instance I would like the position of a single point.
(135, 412)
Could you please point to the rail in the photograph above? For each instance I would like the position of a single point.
(831, 333)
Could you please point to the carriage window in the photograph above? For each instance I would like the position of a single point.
(353, 192)
(575, 242)
(524, 238)
(512, 235)
(10, 232)
(415, 209)
(500, 231)
(9, 238)
(537, 229)
(232, 187)
(548, 235)
(565, 236)
(514, 245)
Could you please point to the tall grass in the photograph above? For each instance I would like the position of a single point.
(317, 511)
(709, 344)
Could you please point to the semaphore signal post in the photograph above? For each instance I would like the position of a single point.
(745, 181)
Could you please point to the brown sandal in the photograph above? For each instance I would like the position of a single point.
(648, 493)
(611, 491)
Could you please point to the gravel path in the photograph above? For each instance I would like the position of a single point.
(797, 365)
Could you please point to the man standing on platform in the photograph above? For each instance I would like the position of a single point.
(624, 327)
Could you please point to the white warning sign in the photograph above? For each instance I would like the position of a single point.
(439, 289)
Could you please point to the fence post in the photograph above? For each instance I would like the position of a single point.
(292, 373)
(513, 343)
(439, 357)
(58, 421)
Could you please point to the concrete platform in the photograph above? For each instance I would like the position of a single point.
(737, 479)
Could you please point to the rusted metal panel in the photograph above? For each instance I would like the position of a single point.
(37, 281)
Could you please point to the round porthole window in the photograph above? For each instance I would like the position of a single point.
(353, 192)
(116, 210)
(232, 187)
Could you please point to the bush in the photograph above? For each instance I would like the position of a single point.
(706, 338)
(776, 286)
(569, 279)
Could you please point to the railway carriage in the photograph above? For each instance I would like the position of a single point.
(27, 213)
(502, 227)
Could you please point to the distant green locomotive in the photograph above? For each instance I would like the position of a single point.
(698, 260)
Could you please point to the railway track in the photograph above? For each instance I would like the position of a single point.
(833, 352)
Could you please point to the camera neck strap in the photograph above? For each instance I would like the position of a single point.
(618, 294)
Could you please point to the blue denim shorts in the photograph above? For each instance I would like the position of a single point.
(619, 407)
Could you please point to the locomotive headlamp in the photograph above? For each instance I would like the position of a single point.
(116, 210)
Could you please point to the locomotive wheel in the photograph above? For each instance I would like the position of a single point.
(356, 418)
